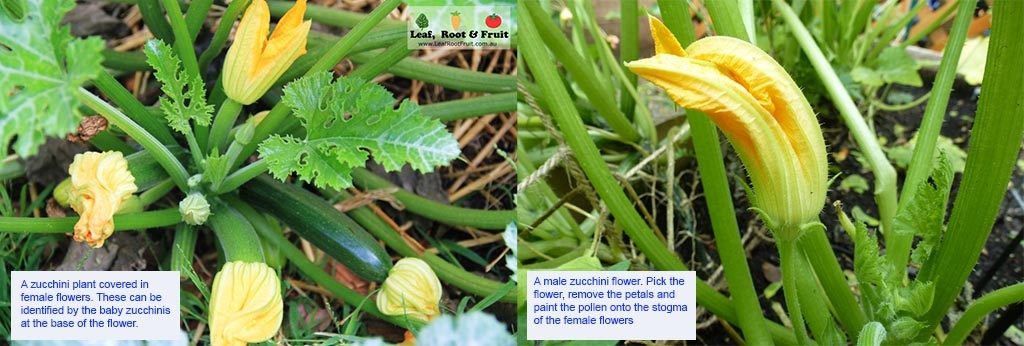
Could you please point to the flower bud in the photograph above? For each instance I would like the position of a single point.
(254, 62)
(762, 113)
(411, 289)
(245, 132)
(194, 181)
(245, 304)
(194, 209)
(100, 183)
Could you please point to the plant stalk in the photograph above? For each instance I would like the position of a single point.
(440, 212)
(222, 124)
(898, 245)
(884, 173)
(597, 90)
(159, 151)
(981, 307)
(711, 164)
(789, 261)
(991, 154)
(223, 29)
(122, 222)
(569, 122)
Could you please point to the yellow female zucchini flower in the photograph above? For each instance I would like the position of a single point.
(245, 304)
(254, 62)
(100, 183)
(762, 112)
(411, 288)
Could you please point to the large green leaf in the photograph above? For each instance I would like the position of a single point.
(41, 66)
(347, 120)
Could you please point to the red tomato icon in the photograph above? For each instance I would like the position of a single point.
(493, 21)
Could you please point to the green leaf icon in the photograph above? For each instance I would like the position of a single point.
(422, 21)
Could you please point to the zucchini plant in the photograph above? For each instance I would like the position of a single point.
(603, 182)
(197, 163)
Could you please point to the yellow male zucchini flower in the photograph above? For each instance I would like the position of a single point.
(100, 184)
(762, 112)
(245, 304)
(411, 288)
(255, 62)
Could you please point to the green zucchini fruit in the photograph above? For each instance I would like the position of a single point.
(234, 232)
(146, 170)
(318, 222)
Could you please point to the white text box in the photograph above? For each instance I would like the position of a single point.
(94, 305)
(609, 305)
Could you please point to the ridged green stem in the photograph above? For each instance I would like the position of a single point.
(183, 248)
(156, 192)
(106, 141)
(136, 132)
(815, 309)
(629, 50)
(153, 17)
(122, 222)
(182, 38)
(711, 164)
(383, 61)
(220, 36)
(816, 246)
(446, 76)
(133, 107)
(643, 120)
(297, 258)
(235, 180)
(981, 307)
(222, 123)
(598, 90)
(187, 53)
(329, 16)
(991, 154)
(884, 173)
(898, 245)
(471, 107)
(440, 212)
(195, 16)
(568, 121)
(789, 261)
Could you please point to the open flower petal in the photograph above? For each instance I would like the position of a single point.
(664, 41)
(254, 62)
(761, 111)
(775, 90)
(100, 183)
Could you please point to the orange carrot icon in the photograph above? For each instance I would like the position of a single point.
(456, 20)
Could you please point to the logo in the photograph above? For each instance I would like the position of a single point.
(493, 21)
(461, 27)
(456, 20)
(422, 21)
